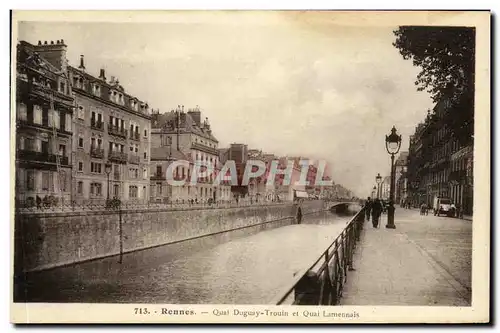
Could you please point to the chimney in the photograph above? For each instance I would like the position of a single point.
(196, 116)
(102, 74)
(82, 64)
(54, 53)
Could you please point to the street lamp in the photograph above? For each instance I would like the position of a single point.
(378, 180)
(107, 169)
(392, 144)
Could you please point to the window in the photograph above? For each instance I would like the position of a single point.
(145, 156)
(30, 180)
(62, 150)
(81, 112)
(145, 133)
(159, 187)
(95, 167)
(79, 188)
(136, 148)
(132, 148)
(80, 166)
(63, 181)
(158, 170)
(29, 144)
(132, 191)
(80, 142)
(37, 114)
(62, 87)
(145, 173)
(96, 189)
(45, 181)
(97, 90)
(22, 112)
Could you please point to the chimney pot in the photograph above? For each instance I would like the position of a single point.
(102, 75)
(82, 63)
(39, 42)
(45, 43)
(58, 42)
(51, 42)
(62, 41)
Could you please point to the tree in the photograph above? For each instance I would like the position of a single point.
(446, 57)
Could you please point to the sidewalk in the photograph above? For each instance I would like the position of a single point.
(413, 264)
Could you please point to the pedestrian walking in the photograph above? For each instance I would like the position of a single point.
(368, 208)
(376, 211)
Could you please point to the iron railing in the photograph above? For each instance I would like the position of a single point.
(97, 125)
(322, 283)
(117, 131)
(29, 206)
(117, 156)
(97, 152)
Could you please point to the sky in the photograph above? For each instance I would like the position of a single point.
(289, 83)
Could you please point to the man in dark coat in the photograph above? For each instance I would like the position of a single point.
(376, 211)
(368, 208)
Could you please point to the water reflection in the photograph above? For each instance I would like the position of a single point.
(249, 270)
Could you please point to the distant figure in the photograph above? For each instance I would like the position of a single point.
(424, 209)
(376, 211)
(368, 208)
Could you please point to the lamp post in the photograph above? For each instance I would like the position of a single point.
(378, 180)
(107, 169)
(392, 144)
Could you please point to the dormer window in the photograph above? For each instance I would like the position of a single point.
(134, 105)
(97, 90)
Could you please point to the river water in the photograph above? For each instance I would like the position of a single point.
(248, 270)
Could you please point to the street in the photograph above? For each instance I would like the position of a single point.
(426, 260)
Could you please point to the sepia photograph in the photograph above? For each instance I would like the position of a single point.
(250, 166)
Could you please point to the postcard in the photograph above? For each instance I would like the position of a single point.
(250, 167)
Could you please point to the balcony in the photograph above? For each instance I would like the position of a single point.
(206, 149)
(44, 126)
(97, 153)
(118, 157)
(117, 131)
(134, 159)
(43, 157)
(97, 125)
(135, 136)
(46, 93)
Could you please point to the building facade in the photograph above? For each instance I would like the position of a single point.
(191, 139)
(44, 110)
(111, 128)
(438, 165)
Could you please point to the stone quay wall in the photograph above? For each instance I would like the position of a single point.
(48, 240)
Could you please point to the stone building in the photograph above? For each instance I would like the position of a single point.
(44, 109)
(191, 139)
(438, 165)
(111, 127)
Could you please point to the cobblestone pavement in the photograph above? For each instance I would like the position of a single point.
(425, 261)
